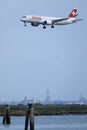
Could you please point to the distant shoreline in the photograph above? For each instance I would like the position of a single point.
(20, 110)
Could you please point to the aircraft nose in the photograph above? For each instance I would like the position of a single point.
(21, 20)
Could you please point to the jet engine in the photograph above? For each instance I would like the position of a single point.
(35, 24)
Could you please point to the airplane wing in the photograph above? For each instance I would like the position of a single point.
(58, 20)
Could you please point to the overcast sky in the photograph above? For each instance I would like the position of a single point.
(33, 60)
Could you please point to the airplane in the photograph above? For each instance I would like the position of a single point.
(51, 21)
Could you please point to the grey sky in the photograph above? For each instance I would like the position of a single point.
(33, 60)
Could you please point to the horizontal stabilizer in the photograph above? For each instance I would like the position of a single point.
(78, 20)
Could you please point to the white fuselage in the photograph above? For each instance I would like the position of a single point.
(41, 19)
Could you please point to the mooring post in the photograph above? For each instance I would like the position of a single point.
(6, 118)
(29, 115)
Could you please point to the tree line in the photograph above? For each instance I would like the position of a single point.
(20, 110)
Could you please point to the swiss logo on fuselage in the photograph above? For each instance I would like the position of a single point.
(36, 17)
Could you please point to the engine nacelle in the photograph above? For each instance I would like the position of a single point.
(35, 24)
(48, 22)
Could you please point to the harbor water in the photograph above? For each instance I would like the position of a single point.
(71, 122)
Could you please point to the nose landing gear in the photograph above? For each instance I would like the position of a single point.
(25, 24)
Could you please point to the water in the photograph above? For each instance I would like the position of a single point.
(71, 122)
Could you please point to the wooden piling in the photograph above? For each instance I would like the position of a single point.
(27, 118)
(29, 115)
(6, 118)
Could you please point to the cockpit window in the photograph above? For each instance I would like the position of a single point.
(24, 17)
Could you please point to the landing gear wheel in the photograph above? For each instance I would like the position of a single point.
(25, 24)
(44, 27)
(52, 26)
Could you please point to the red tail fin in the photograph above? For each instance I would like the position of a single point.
(73, 13)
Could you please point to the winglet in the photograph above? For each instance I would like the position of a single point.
(73, 13)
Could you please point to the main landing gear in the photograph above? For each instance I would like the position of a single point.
(52, 26)
(44, 27)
